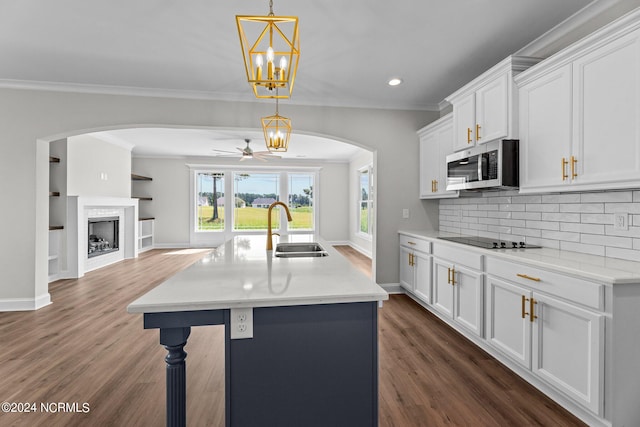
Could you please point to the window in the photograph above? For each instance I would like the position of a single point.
(301, 201)
(210, 201)
(229, 201)
(365, 203)
(254, 192)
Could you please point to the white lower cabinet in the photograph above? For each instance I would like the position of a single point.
(415, 267)
(560, 342)
(458, 292)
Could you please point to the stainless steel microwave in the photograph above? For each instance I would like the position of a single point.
(490, 166)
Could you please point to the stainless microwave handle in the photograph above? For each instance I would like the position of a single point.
(480, 160)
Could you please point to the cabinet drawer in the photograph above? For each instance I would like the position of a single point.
(417, 244)
(573, 289)
(457, 255)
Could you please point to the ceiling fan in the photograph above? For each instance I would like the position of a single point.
(248, 153)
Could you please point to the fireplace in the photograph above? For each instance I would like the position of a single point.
(103, 236)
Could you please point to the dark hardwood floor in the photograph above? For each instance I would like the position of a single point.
(86, 348)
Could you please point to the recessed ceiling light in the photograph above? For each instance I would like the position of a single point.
(395, 81)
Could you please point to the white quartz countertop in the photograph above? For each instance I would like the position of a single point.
(241, 273)
(590, 267)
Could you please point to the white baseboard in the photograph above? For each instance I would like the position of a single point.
(171, 245)
(25, 304)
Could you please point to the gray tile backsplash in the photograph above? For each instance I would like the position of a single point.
(579, 222)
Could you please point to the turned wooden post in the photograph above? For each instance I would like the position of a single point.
(174, 340)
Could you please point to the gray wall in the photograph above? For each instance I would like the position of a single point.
(31, 119)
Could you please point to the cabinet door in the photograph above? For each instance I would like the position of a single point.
(568, 349)
(545, 130)
(607, 113)
(445, 147)
(442, 288)
(492, 110)
(464, 122)
(508, 324)
(468, 298)
(406, 268)
(422, 283)
(429, 164)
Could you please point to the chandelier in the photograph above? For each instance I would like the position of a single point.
(274, 38)
(277, 130)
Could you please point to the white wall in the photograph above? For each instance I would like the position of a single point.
(170, 192)
(97, 169)
(357, 240)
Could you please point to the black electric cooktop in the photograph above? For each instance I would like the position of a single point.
(488, 243)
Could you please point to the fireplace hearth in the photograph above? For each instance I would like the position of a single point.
(103, 236)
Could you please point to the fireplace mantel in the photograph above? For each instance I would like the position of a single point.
(79, 210)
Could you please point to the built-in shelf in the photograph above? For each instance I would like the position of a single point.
(56, 227)
(54, 159)
(54, 194)
(136, 177)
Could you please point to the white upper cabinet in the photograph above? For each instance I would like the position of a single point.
(580, 114)
(436, 142)
(484, 109)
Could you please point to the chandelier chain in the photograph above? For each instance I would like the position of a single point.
(270, 7)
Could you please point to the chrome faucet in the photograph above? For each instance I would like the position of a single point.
(269, 232)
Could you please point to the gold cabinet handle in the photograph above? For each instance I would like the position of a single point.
(435, 185)
(564, 169)
(524, 313)
(411, 259)
(573, 167)
(524, 276)
(453, 276)
(477, 132)
(411, 243)
(532, 303)
(448, 276)
(469, 135)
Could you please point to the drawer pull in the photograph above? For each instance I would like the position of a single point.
(524, 276)
(453, 276)
(411, 243)
(524, 313)
(564, 169)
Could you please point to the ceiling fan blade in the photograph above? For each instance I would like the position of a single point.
(240, 149)
(223, 151)
(243, 158)
(266, 155)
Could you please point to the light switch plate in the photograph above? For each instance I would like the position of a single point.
(405, 213)
(241, 323)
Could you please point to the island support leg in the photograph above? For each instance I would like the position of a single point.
(174, 340)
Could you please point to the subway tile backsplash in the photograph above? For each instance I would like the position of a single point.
(579, 222)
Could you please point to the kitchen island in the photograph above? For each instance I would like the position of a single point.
(301, 344)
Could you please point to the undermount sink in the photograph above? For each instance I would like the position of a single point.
(299, 250)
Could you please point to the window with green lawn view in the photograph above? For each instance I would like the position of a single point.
(301, 201)
(366, 201)
(210, 201)
(255, 192)
(246, 207)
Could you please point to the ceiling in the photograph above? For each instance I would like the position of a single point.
(349, 49)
